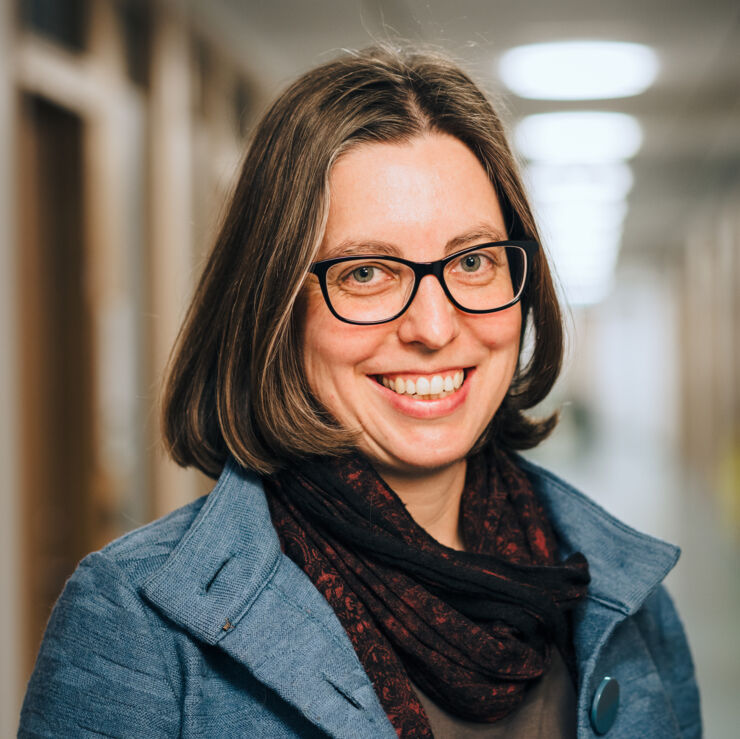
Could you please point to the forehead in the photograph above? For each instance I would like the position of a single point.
(417, 195)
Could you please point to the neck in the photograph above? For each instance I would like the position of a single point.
(433, 500)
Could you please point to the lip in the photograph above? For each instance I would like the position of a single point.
(426, 409)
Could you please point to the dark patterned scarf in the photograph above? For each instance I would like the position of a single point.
(472, 629)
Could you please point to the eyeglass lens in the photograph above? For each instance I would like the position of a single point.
(377, 289)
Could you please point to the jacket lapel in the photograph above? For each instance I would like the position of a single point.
(228, 584)
(626, 568)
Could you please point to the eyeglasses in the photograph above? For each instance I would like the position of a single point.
(374, 289)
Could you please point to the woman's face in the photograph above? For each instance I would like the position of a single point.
(422, 200)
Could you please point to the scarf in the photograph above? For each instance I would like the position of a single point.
(473, 629)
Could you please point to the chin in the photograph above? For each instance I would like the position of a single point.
(420, 460)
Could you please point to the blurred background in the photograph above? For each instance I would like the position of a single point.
(122, 124)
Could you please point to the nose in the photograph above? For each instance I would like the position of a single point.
(431, 319)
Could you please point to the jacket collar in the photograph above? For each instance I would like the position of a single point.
(626, 566)
(219, 567)
(231, 551)
(228, 584)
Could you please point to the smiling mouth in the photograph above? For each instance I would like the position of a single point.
(424, 387)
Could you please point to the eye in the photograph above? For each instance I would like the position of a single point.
(475, 267)
(363, 274)
(470, 262)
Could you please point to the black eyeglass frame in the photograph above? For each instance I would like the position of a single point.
(421, 270)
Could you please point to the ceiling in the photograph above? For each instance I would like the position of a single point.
(690, 117)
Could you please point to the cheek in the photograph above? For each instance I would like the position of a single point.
(324, 358)
(501, 332)
(320, 349)
(332, 352)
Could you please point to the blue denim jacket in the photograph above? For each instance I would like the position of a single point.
(198, 626)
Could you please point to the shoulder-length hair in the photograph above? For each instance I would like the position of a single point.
(236, 384)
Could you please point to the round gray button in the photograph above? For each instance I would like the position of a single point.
(605, 705)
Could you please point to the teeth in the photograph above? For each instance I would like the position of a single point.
(437, 387)
(422, 386)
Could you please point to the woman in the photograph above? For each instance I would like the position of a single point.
(375, 559)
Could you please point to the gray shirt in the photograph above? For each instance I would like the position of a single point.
(547, 712)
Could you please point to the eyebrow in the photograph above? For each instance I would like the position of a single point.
(483, 231)
(350, 247)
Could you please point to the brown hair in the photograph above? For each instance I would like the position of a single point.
(236, 383)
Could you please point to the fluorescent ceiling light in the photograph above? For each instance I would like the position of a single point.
(584, 267)
(583, 137)
(583, 252)
(575, 218)
(578, 183)
(578, 70)
(582, 234)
